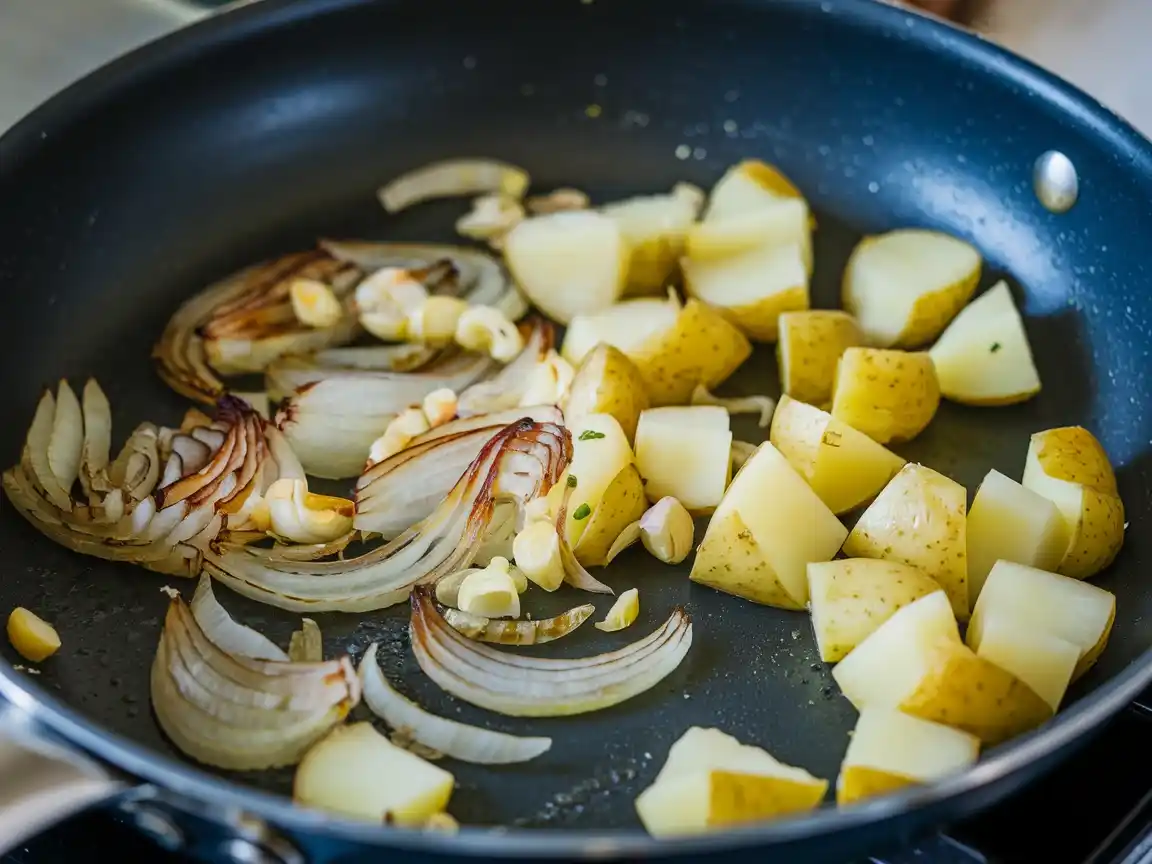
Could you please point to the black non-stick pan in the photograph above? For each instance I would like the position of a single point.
(258, 131)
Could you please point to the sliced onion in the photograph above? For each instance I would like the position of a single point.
(453, 178)
(225, 632)
(241, 713)
(519, 464)
(482, 279)
(762, 405)
(521, 686)
(245, 321)
(466, 743)
(535, 632)
(395, 494)
(331, 424)
(507, 388)
(574, 572)
(741, 452)
(97, 447)
(163, 498)
(307, 643)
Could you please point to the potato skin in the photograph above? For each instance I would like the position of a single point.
(730, 560)
(888, 395)
(1073, 454)
(622, 504)
(607, 382)
(851, 598)
(811, 344)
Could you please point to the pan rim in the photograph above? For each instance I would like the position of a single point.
(171, 774)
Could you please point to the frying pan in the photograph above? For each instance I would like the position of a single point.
(257, 131)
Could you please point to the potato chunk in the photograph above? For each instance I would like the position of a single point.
(607, 382)
(685, 453)
(887, 395)
(810, 345)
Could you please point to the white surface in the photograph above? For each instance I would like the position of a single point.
(1097, 44)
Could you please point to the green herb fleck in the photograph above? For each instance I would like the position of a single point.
(995, 347)
(571, 481)
(582, 512)
(590, 435)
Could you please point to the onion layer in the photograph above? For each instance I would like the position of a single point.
(508, 387)
(521, 686)
(240, 713)
(518, 464)
(453, 178)
(458, 740)
(535, 632)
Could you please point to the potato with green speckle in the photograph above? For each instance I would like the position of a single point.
(1069, 467)
(920, 519)
(607, 382)
(887, 395)
(622, 503)
(730, 560)
(849, 599)
(810, 345)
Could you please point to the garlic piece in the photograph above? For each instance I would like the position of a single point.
(538, 510)
(488, 330)
(624, 539)
(490, 592)
(301, 517)
(558, 199)
(537, 553)
(622, 613)
(439, 406)
(434, 321)
(399, 433)
(492, 217)
(548, 382)
(448, 587)
(33, 638)
(741, 452)
(314, 304)
(386, 299)
(762, 405)
(666, 530)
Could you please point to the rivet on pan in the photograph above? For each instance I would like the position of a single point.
(1055, 182)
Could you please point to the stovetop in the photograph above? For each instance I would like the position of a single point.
(1096, 808)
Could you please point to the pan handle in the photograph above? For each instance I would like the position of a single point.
(41, 781)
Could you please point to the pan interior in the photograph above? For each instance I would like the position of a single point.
(239, 150)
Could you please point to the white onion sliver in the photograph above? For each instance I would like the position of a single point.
(453, 178)
(225, 633)
(458, 740)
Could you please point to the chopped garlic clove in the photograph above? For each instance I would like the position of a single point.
(492, 216)
(434, 322)
(559, 199)
(626, 538)
(548, 382)
(439, 406)
(488, 330)
(538, 510)
(622, 613)
(298, 515)
(666, 530)
(386, 299)
(762, 405)
(448, 587)
(490, 592)
(407, 425)
(314, 304)
(537, 553)
(33, 638)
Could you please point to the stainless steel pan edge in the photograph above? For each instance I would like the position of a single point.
(36, 722)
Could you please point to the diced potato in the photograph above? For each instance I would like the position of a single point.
(607, 382)
(353, 771)
(890, 749)
(1042, 661)
(675, 348)
(844, 467)
(916, 663)
(654, 227)
(751, 288)
(568, 264)
(780, 527)
(887, 395)
(850, 598)
(810, 345)
(684, 453)
(621, 504)
(33, 638)
(749, 186)
(600, 452)
(782, 222)
(711, 781)
(1070, 468)
(983, 357)
(905, 286)
(1058, 605)
(919, 519)
(1008, 521)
